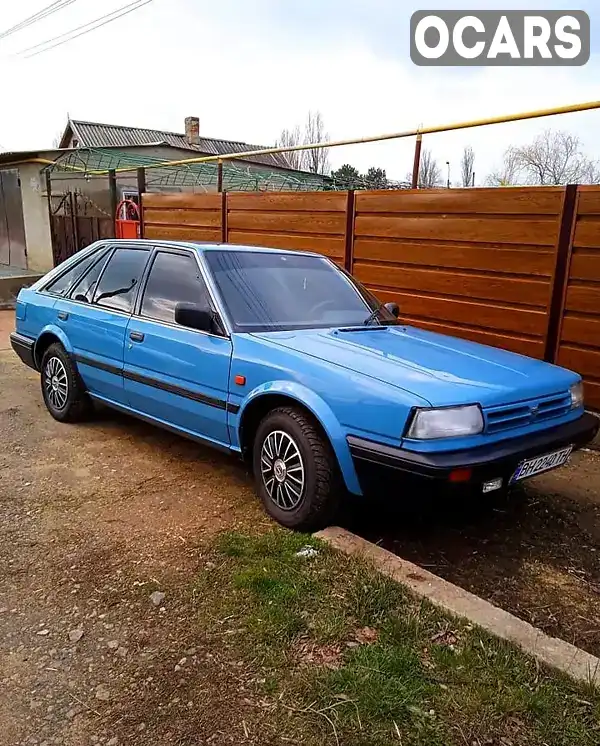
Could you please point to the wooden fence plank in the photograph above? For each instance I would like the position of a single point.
(332, 246)
(483, 287)
(587, 234)
(486, 316)
(528, 201)
(287, 222)
(514, 231)
(583, 330)
(174, 216)
(523, 345)
(288, 201)
(183, 233)
(187, 200)
(585, 265)
(585, 298)
(497, 259)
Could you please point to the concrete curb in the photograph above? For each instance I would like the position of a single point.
(549, 650)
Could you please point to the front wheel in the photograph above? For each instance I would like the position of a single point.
(295, 469)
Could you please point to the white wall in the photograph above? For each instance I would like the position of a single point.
(35, 217)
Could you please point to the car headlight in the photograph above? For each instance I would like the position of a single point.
(577, 395)
(448, 422)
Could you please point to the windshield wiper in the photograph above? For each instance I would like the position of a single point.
(373, 314)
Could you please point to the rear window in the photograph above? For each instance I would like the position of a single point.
(83, 290)
(63, 284)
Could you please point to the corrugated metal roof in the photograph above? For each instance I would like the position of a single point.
(95, 135)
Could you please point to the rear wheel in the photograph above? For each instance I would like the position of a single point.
(62, 388)
(295, 469)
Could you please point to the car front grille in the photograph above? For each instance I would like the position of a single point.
(510, 416)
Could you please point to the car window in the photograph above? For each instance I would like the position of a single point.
(173, 278)
(83, 290)
(63, 284)
(118, 284)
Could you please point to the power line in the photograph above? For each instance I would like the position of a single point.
(83, 29)
(40, 15)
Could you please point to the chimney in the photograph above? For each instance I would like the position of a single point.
(192, 130)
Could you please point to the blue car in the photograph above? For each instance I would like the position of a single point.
(286, 360)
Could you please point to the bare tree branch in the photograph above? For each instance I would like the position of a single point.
(467, 163)
(289, 138)
(316, 160)
(430, 174)
(553, 158)
(509, 172)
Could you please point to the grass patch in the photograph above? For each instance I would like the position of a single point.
(354, 659)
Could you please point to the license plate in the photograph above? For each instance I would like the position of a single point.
(543, 463)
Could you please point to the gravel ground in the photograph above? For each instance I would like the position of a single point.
(94, 520)
(97, 519)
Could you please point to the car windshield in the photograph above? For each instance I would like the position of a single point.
(269, 291)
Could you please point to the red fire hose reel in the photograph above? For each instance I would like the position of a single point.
(127, 220)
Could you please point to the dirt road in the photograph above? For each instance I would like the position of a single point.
(95, 518)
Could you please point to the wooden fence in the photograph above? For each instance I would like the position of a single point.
(518, 268)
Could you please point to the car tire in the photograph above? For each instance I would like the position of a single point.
(62, 388)
(296, 472)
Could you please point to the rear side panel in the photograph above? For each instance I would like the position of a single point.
(34, 311)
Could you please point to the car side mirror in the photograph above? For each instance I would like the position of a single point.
(201, 318)
(393, 308)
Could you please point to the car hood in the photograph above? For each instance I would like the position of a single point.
(443, 370)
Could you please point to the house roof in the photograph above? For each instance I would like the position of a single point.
(96, 135)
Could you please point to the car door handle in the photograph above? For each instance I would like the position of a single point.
(63, 315)
(136, 336)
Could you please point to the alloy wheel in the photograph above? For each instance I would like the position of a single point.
(282, 470)
(56, 383)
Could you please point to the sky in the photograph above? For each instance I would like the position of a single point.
(248, 68)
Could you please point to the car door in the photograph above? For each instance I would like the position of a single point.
(174, 374)
(95, 315)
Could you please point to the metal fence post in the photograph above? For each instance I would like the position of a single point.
(416, 162)
(560, 278)
(224, 230)
(349, 233)
(73, 209)
(141, 186)
(53, 240)
(112, 189)
(219, 176)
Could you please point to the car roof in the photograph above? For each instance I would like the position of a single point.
(201, 246)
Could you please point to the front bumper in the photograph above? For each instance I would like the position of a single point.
(486, 462)
(23, 346)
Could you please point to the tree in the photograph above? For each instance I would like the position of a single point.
(507, 174)
(430, 174)
(316, 160)
(346, 176)
(553, 158)
(375, 178)
(591, 174)
(467, 163)
(289, 138)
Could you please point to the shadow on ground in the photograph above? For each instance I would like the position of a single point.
(534, 552)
